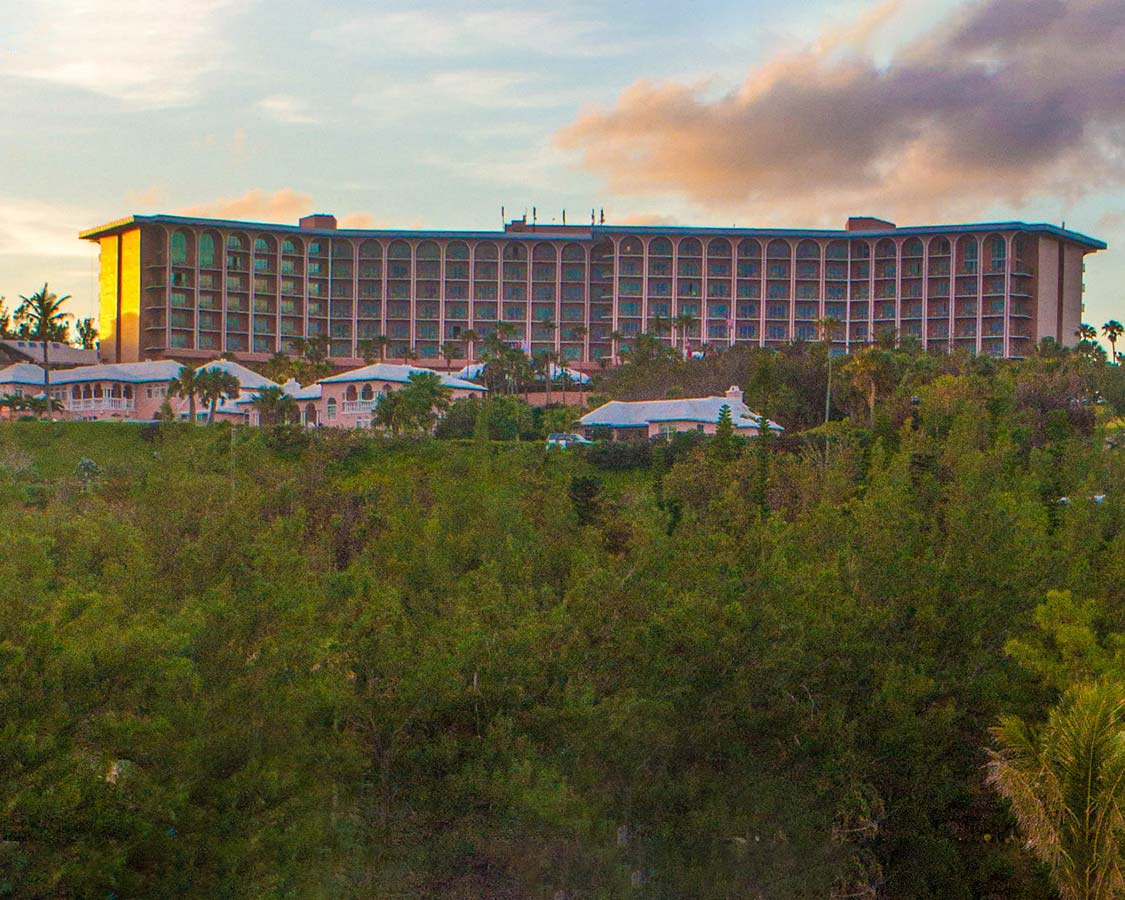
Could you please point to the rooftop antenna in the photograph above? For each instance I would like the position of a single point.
(502, 222)
(534, 215)
(592, 217)
(564, 216)
(602, 216)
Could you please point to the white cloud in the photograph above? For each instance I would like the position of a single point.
(148, 53)
(42, 229)
(422, 32)
(287, 109)
(492, 89)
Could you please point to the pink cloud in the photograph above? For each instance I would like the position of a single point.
(284, 206)
(1002, 100)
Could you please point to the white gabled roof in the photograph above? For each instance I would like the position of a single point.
(474, 370)
(311, 392)
(396, 373)
(248, 378)
(637, 413)
(132, 373)
(22, 373)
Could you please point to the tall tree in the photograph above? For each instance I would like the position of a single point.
(86, 334)
(1086, 332)
(1066, 785)
(449, 351)
(188, 386)
(216, 385)
(827, 326)
(470, 337)
(274, 406)
(1112, 331)
(41, 318)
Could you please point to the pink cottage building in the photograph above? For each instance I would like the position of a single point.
(349, 400)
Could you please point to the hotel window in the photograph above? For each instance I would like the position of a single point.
(630, 308)
(777, 311)
(427, 331)
(775, 332)
(718, 310)
(689, 309)
(749, 290)
(716, 330)
(747, 331)
(807, 310)
(516, 312)
(778, 291)
(179, 249)
(658, 309)
(207, 250)
(747, 310)
(835, 310)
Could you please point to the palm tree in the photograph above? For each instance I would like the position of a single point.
(214, 386)
(41, 318)
(1065, 782)
(449, 351)
(274, 406)
(827, 326)
(188, 385)
(615, 338)
(470, 337)
(1112, 331)
(86, 332)
(1086, 332)
(410, 354)
(684, 322)
(367, 350)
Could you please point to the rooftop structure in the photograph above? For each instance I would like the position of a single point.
(189, 288)
(60, 355)
(649, 418)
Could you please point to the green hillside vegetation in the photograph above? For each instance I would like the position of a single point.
(332, 665)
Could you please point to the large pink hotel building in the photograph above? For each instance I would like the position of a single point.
(190, 288)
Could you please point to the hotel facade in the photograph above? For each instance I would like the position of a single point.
(191, 288)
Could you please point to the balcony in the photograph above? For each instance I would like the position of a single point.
(353, 407)
(99, 404)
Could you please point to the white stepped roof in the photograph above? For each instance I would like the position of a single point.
(636, 413)
(398, 374)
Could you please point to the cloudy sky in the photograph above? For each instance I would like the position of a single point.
(435, 114)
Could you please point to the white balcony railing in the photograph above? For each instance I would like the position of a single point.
(97, 404)
(354, 407)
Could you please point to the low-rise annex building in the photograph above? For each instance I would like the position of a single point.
(639, 419)
(349, 400)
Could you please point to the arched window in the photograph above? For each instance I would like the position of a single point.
(631, 246)
(912, 248)
(387, 388)
(349, 393)
(341, 249)
(331, 407)
(719, 248)
(515, 251)
(485, 250)
(939, 246)
(544, 253)
(457, 250)
(575, 253)
(885, 249)
(861, 250)
(207, 250)
(370, 250)
(368, 392)
(837, 250)
(660, 246)
(808, 250)
(236, 242)
(399, 250)
(690, 247)
(778, 249)
(428, 250)
(968, 255)
(749, 249)
(291, 247)
(179, 248)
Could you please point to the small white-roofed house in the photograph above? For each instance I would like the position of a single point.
(639, 419)
(349, 400)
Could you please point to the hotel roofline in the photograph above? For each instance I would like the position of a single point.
(534, 232)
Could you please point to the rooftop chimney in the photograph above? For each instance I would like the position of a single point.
(734, 393)
(319, 221)
(869, 223)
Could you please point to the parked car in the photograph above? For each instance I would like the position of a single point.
(565, 440)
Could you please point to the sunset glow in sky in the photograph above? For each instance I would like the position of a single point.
(433, 115)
